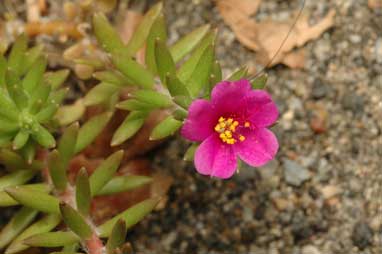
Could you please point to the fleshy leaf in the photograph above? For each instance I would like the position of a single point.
(157, 32)
(45, 224)
(154, 98)
(100, 93)
(16, 178)
(163, 59)
(15, 90)
(105, 172)
(117, 236)
(186, 44)
(13, 161)
(6, 200)
(57, 170)
(57, 78)
(20, 139)
(139, 37)
(17, 54)
(83, 195)
(112, 77)
(8, 108)
(128, 128)
(260, 82)
(134, 105)
(90, 130)
(34, 199)
(67, 144)
(75, 222)
(17, 224)
(131, 216)
(189, 155)
(34, 75)
(42, 136)
(176, 87)
(30, 57)
(165, 128)
(52, 239)
(216, 75)
(124, 183)
(239, 74)
(68, 114)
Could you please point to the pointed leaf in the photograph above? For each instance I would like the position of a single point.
(15, 90)
(180, 114)
(117, 236)
(239, 74)
(131, 216)
(75, 222)
(30, 58)
(52, 239)
(14, 161)
(70, 113)
(57, 170)
(163, 59)
(112, 77)
(67, 144)
(186, 44)
(201, 74)
(216, 75)
(38, 97)
(34, 75)
(3, 69)
(158, 31)
(139, 37)
(17, 54)
(57, 78)
(8, 108)
(34, 199)
(183, 101)
(165, 128)
(29, 151)
(16, 178)
(91, 129)
(6, 200)
(20, 139)
(134, 105)
(83, 195)
(128, 128)
(133, 71)
(100, 93)
(6, 126)
(124, 183)
(176, 87)
(42, 136)
(105, 172)
(154, 98)
(189, 155)
(17, 224)
(185, 71)
(45, 224)
(259, 82)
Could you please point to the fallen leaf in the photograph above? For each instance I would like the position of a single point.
(266, 37)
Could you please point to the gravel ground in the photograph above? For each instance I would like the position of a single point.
(323, 192)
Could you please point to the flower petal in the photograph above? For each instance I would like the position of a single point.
(215, 158)
(259, 147)
(226, 95)
(200, 121)
(262, 110)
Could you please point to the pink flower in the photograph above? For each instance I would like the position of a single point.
(233, 124)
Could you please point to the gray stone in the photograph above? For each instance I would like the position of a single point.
(362, 235)
(310, 249)
(295, 174)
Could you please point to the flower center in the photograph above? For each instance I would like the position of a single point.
(227, 130)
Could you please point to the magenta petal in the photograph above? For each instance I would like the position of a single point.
(215, 158)
(259, 147)
(226, 95)
(263, 111)
(200, 121)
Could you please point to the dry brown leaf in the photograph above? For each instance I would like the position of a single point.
(266, 37)
(375, 4)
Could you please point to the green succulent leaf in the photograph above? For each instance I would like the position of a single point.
(42, 136)
(183, 101)
(57, 78)
(16, 178)
(124, 183)
(52, 239)
(175, 86)
(216, 75)
(163, 59)
(239, 74)
(29, 151)
(3, 69)
(186, 70)
(91, 129)
(15, 90)
(31, 56)
(6, 200)
(117, 236)
(105, 172)
(70, 113)
(112, 77)
(260, 82)
(186, 44)
(134, 105)
(152, 97)
(45, 224)
(129, 127)
(34, 199)
(34, 75)
(100, 93)
(201, 74)
(139, 37)
(190, 153)
(180, 114)
(133, 71)
(50, 108)
(106, 35)
(7, 126)
(16, 225)
(165, 128)
(67, 144)
(57, 170)
(38, 97)
(157, 32)
(75, 221)
(8, 108)
(13, 161)
(15, 59)
(83, 195)
(131, 216)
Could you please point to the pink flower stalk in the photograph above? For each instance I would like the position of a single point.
(233, 124)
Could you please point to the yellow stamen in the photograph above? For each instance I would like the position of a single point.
(228, 134)
(221, 119)
(247, 124)
(230, 120)
(241, 138)
(226, 127)
(236, 123)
